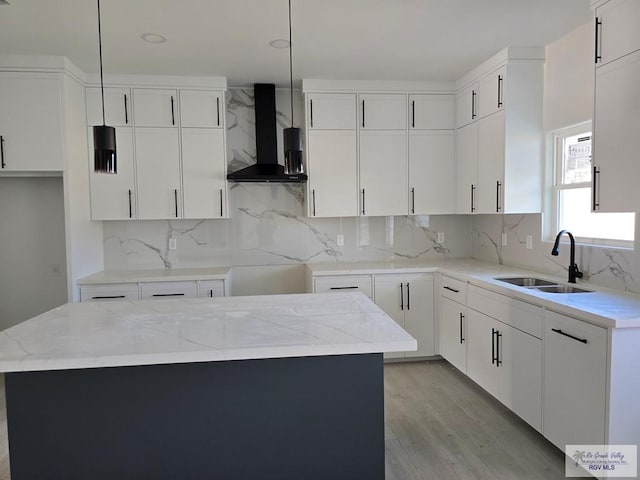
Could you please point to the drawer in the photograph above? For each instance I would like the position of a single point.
(168, 290)
(522, 315)
(211, 289)
(344, 283)
(108, 293)
(454, 289)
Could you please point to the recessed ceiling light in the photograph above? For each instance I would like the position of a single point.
(153, 38)
(279, 43)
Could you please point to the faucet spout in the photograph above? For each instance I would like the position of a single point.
(574, 272)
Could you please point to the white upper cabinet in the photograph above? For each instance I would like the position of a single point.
(491, 145)
(31, 136)
(155, 107)
(118, 108)
(491, 92)
(466, 168)
(331, 111)
(382, 111)
(431, 112)
(617, 32)
(466, 103)
(201, 108)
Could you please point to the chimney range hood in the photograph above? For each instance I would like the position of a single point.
(267, 168)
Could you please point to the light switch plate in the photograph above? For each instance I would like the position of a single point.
(530, 242)
(504, 239)
(440, 237)
(340, 240)
(173, 244)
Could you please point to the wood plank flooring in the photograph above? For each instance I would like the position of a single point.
(440, 426)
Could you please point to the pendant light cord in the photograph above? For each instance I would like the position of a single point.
(290, 64)
(101, 77)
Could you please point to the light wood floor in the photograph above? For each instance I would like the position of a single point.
(441, 426)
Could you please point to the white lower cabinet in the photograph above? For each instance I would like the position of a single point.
(453, 333)
(344, 283)
(109, 292)
(154, 290)
(575, 381)
(168, 290)
(211, 289)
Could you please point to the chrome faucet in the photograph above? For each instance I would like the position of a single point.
(573, 268)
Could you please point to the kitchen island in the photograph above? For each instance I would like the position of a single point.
(283, 386)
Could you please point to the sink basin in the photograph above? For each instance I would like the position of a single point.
(526, 281)
(562, 289)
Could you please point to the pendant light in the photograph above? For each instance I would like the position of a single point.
(104, 137)
(292, 138)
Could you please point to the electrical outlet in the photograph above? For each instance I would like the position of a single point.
(440, 237)
(173, 244)
(504, 239)
(340, 240)
(530, 242)
(55, 270)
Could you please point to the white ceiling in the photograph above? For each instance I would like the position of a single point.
(335, 39)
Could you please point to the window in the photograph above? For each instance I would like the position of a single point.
(572, 193)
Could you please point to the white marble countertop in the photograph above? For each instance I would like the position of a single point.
(602, 306)
(155, 275)
(148, 332)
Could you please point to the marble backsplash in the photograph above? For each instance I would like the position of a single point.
(268, 225)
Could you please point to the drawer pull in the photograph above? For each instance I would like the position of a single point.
(451, 289)
(107, 297)
(168, 295)
(581, 340)
(461, 322)
(401, 297)
(343, 288)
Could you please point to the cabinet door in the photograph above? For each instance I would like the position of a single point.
(467, 168)
(167, 290)
(331, 111)
(158, 173)
(491, 92)
(333, 173)
(109, 292)
(453, 333)
(619, 34)
(574, 381)
(616, 127)
(431, 172)
(155, 107)
(383, 173)
(466, 106)
(481, 352)
(211, 289)
(204, 184)
(113, 197)
(431, 112)
(30, 122)
(491, 131)
(418, 314)
(389, 295)
(382, 111)
(118, 110)
(201, 108)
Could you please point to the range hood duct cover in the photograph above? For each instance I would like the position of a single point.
(267, 168)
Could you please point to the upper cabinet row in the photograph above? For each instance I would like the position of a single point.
(499, 134)
(171, 154)
(379, 154)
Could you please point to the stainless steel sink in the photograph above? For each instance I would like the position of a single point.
(562, 289)
(527, 281)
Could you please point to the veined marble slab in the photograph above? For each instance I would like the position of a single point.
(155, 275)
(149, 332)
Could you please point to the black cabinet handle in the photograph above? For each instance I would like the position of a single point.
(498, 185)
(493, 346)
(363, 201)
(413, 200)
(595, 204)
(221, 202)
(499, 91)
(473, 191)
(126, 110)
(461, 321)
(168, 295)
(2, 164)
(473, 104)
(413, 114)
(401, 297)
(498, 360)
(173, 113)
(362, 113)
(311, 111)
(581, 340)
(175, 199)
(218, 109)
(211, 293)
(130, 207)
(598, 57)
(408, 297)
(313, 201)
(451, 289)
(107, 297)
(344, 288)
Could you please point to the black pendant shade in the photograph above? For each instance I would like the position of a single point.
(292, 151)
(104, 145)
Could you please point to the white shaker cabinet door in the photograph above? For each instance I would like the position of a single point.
(118, 108)
(483, 351)
(382, 111)
(158, 173)
(331, 111)
(389, 295)
(453, 333)
(155, 107)
(491, 146)
(617, 30)
(491, 90)
(466, 105)
(419, 320)
(467, 168)
(202, 108)
(431, 112)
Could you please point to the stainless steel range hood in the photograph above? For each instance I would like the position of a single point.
(267, 168)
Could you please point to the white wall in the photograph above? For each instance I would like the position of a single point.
(32, 248)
